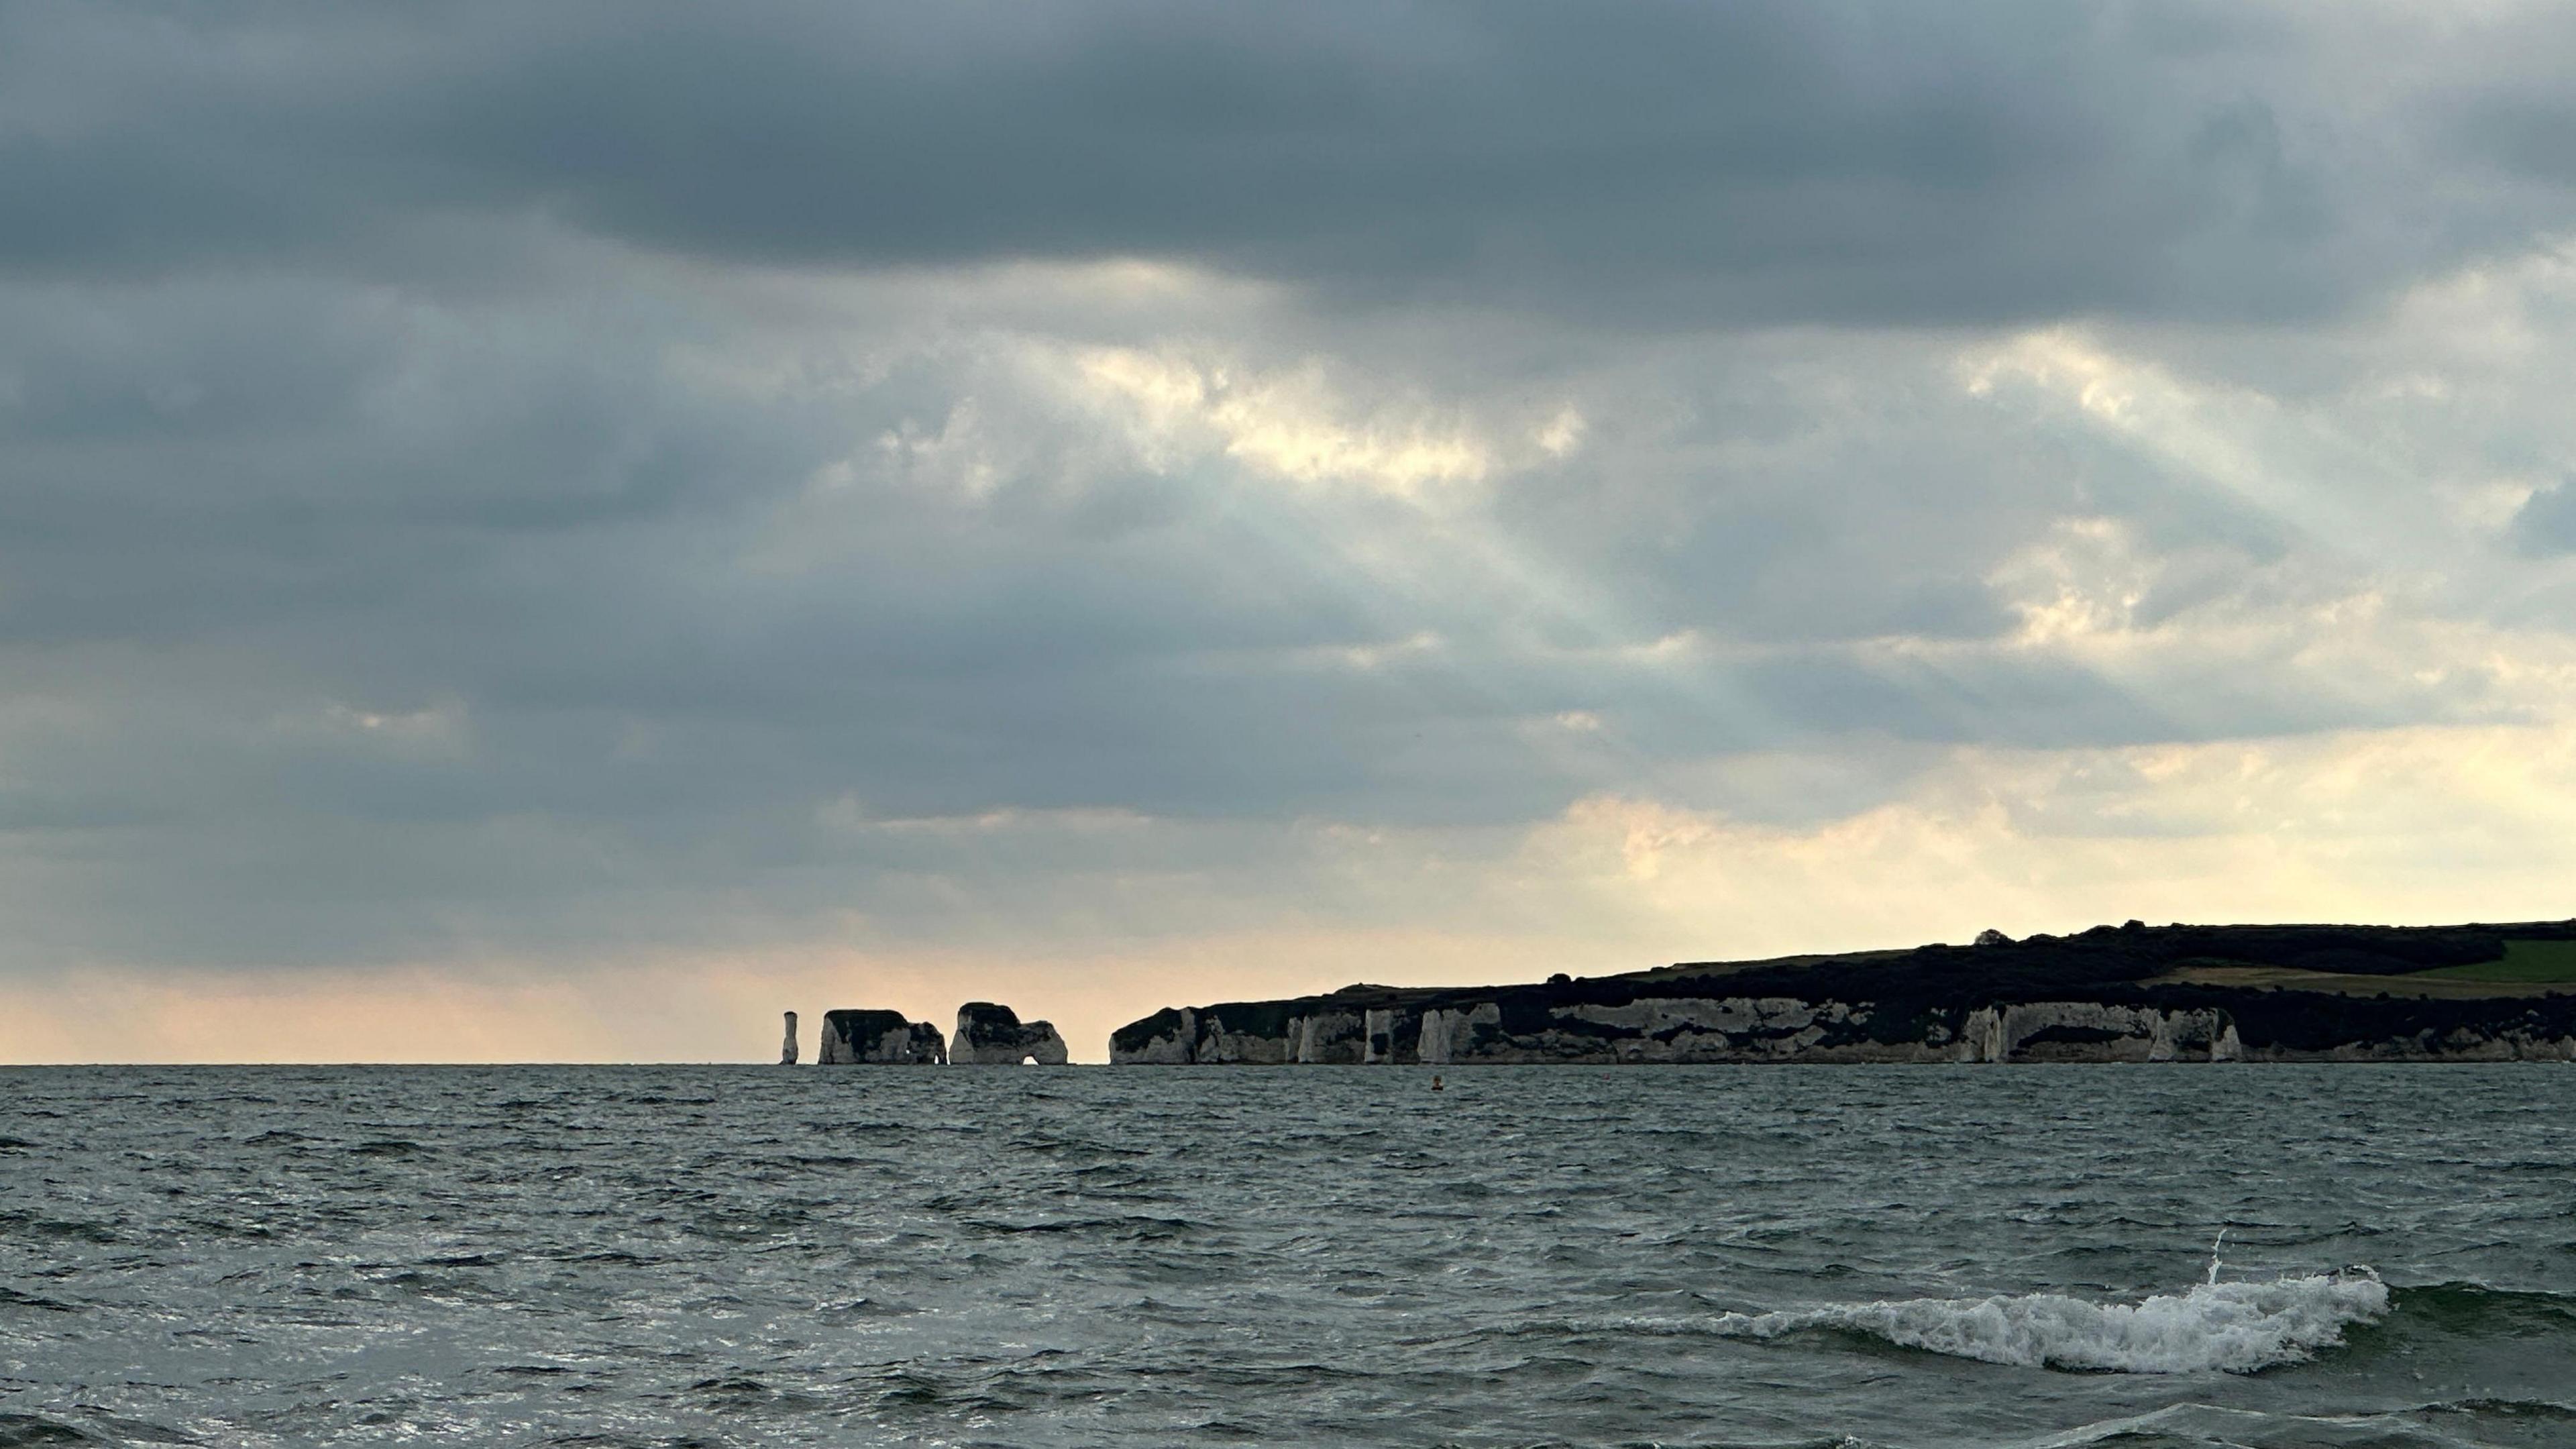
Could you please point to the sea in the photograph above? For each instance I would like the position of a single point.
(2040, 1256)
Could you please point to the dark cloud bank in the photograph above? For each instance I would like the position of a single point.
(1722, 163)
(418, 511)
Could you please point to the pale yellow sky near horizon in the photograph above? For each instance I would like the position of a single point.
(2336, 827)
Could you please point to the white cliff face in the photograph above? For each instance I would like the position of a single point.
(1705, 1029)
(1378, 1036)
(2090, 1031)
(2513, 1044)
(878, 1038)
(1449, 1035)
(787, 1049)
(1982, 1039)
(1246, 1048)
(1173, 1048)
(1328, 1037)
(989, 1034)
(1757, 1029)
(1206, 1038)
(919, 1044)
(926, 1046)
(1679, 1028)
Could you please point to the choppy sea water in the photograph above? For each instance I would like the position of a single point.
(1555, 1255)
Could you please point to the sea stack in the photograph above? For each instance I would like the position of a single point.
(787, 1049)
(990, 1034)
(879, 1038)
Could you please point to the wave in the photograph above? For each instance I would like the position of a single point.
(2481, 1311)
(12, 1298)
(33, 1429)
(2227, 1327)
(2426, 1425)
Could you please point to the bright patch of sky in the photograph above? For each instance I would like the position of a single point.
(586, 547)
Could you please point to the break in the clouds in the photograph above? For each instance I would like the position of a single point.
(669, 513)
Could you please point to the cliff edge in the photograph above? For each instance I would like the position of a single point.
(2111, 994)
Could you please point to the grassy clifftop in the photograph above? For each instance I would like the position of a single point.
(2430, 961)
(2294, 990)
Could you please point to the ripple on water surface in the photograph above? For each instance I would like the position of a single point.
(1908, 1258)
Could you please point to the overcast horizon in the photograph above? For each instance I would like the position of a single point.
(559, 532)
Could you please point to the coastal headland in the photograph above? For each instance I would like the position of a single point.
(2130, 993)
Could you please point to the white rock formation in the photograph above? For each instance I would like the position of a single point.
(1378, 1036)
(2090, 1031)
(1328, 1037)
(1177, 1046)
(1447, 1033)
(990, 1034)
(878, 1038)
(1363, 1025)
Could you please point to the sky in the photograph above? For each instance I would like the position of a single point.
(559, 532)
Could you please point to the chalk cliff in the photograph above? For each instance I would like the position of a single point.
(787, 1048)
(991, 1034)
(2112, 994)
(878, 1038)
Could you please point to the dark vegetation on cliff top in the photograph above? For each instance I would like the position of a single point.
(865, 1026)
(2112, 964)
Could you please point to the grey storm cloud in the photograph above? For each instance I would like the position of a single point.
(2546, 522)
(1666, 163)
(473, 474)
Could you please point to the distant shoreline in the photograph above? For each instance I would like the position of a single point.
(2130, 993)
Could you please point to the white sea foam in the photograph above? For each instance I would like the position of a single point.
(2235, 1327)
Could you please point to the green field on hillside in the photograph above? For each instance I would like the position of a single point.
(2524, 963)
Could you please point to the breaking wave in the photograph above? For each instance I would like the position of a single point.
(2230, 1327)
